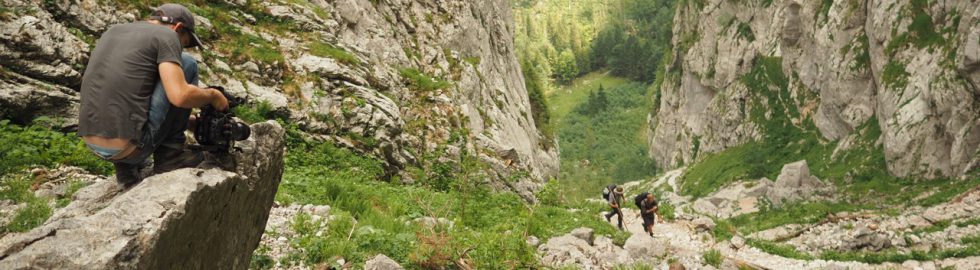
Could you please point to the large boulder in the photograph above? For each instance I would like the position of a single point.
(582, 249)
(645, 248)
(185, 219)
(795, 184)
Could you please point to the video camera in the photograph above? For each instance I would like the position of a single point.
(217, 131)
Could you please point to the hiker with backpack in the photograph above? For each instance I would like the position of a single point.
(614, 195)
(648, 206)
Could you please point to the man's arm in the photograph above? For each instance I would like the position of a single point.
(185, 95)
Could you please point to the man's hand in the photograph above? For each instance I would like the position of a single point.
(219, 101)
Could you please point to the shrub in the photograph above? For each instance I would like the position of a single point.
(38, 145)
(322, 49)
(422, 82)
(712, 257)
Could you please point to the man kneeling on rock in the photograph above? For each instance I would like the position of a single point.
(138, 91)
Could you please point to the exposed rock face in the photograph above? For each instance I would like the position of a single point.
(185, 219)
(364, 92)
(845, 65)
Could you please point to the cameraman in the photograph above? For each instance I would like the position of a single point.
(138, 92)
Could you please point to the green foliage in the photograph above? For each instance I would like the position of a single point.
(38, 145)
(256, 112)
(783, 250)
(29, 217)
(745, 32)
(801, 213)
(577, 37)
(73, 187)
(825, 6)
(602, 138)
(895, 76)
(380, 217)
(423, 82)
(724, 230)
(323, 49)
(633, 43)
(899, 257)
(565, 67)
(973, 240)
(540, 110)
(16, 187)
(712, 257)
(667, 210)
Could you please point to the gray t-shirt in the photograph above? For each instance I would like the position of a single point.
(121, 75)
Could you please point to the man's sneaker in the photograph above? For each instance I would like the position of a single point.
(168, 158)
(127, 174)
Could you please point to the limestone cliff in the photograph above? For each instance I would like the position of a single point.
(408, 81)
(911, 67)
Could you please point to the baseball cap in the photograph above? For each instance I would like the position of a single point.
(176, 13)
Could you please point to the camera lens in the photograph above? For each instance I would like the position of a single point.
(239, 131)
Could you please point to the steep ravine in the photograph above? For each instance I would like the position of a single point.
(409, 82)
(911, 67)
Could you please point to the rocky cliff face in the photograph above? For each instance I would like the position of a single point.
(185, 219)
(407, 81)
(910, 67)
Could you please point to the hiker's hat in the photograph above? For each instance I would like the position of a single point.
(176, 13)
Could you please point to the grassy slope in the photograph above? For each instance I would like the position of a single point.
(612, 141)
(491, 226)
(562, 100)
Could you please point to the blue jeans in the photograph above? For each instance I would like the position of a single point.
(166, 123)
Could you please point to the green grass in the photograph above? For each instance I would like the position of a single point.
(712, 257)
(795, 213)
(491, 226)
(783, 250)
(322, 49)
(37, 145)
(16, 187)
(895, 76)
(254, 113)
(603, 139)
(724, 230)
(423, 82)
(899, 257)
(745, 32)
(563, 100)
(973, 240)
(73, 187)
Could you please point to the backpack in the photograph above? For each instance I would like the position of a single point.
(639, 199)
(608, 190)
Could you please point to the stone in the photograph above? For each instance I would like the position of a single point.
(533, 241)
(184, 219)
(645, 248)
(737, 242)
(703, 224)
(382, 262)
(586, 234)
(795, 183)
